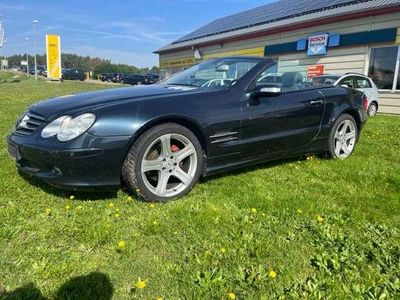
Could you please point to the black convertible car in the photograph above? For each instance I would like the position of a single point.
(158, 140)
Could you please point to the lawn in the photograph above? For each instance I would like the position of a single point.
(308, 228)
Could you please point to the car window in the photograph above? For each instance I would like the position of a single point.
(287, 81)
(222, 72)
(362, 83)
(348, 81)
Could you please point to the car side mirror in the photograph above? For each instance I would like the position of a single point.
(266, 91)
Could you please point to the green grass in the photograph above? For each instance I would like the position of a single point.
(225, 237)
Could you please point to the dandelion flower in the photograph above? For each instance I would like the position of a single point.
(67, 207)
(254, 210)
(231, 296)
(72, 197)
(117, 215)
(129, 198)
(48, 211)
(140, 284)
(155, 222)
(223, 250)
(79, 207)
(160, 298)
(110, 205)
(299, 211)
(272, 274)
(319, 219)
(121, 245)
(152, 205)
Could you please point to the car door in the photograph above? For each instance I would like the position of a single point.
(282, 123)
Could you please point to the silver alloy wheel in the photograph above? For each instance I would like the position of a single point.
(169, 165)
(372, 110)
(345, 139)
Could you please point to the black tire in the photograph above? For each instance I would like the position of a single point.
(331, 140)
(131, 170)
(372, 109)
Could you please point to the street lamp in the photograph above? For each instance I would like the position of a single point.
(34, 22)
(27, 57)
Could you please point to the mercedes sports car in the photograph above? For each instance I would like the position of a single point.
(158, 140)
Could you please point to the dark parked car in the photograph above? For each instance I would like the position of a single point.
(133, 79)
(73, 74)
(40, 69)
(107, 77)
(154, 77)
(160, 139)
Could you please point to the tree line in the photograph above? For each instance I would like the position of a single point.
(95, 65)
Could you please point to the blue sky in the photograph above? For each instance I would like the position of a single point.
(124, 31)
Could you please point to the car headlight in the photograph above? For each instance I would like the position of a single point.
(67, 128)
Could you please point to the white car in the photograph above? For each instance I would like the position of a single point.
(356, 81)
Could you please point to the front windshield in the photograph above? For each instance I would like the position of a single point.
(222, 72)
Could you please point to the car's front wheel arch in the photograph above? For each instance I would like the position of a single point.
(189, 124)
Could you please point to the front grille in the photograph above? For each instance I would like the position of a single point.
(28, 123)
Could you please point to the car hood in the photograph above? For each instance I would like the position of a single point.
(66, 104)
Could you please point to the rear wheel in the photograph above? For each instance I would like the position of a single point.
(343, 137)
(164, 163)
(372, 109)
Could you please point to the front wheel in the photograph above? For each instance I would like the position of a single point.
(164, 163)
(343, 137)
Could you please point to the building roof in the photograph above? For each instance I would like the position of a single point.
(280, 13)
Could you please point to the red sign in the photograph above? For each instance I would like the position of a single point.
(314, 71)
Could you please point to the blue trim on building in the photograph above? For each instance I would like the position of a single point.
(337, 40)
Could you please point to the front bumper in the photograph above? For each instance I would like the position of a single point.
(95, 166)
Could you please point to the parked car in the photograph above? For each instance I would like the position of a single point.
(40, 69)
(161, 138)
(73, 74)
(133, 79)
(154, 77)
(107, 77)
(356, 81)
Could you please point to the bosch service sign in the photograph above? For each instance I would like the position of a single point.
(317, 44)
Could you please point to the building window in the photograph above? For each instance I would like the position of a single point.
(384, 68)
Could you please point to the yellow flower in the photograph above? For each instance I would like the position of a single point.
(319, 219)
(155, 222)
(176, 232)
(299, 211)
(160, 298)
(140, 284)
(223, 250)
(129, 198)
(272, 274)
(231, 296)
(110, 205)
(79, 207)
(48, 211)
(121, 245)
(254, 210)
(67, 207)
(72, 197)
(152, 205)
(117, 215)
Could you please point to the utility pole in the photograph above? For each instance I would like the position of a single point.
(34, 22)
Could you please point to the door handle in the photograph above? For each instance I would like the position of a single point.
(316, 102)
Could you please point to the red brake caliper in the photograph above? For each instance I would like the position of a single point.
(174, 148)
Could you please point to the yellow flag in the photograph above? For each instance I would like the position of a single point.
(53, 49)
